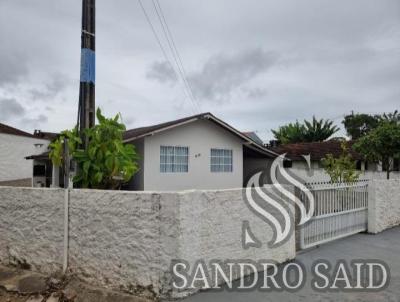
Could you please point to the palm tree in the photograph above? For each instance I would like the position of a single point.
(319, 130)
(314, 131)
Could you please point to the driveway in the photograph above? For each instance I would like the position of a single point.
(384, 246)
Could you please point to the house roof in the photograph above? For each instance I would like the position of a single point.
(14, 131)
(42, 156)
(134, 134)
(317, 150)
(254, 137)
(45, 135)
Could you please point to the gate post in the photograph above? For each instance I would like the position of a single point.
(372, 228)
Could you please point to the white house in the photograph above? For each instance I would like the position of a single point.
(196, 152)
(15, 145)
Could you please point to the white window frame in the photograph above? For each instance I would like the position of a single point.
(218, 163)
(175, 163)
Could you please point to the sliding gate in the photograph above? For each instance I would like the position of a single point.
(340, 210)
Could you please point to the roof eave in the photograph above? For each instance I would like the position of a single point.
(159, 130)
(209, 116)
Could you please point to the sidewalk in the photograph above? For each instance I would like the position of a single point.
(18, 285)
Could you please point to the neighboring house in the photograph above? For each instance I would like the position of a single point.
(318, 151)
(15, 145)
(196, 152)
(254, 137)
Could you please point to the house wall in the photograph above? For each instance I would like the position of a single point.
(137, 182)
(13, 150)
(253, 165)
(200, 136)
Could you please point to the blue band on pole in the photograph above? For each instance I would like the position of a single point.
(88, 66)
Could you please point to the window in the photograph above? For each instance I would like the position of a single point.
(174, 159)
(221, 160)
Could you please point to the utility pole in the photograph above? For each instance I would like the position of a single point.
(86, 111)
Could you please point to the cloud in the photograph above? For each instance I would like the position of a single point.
(35, 121)
(275, 61)
(222, 73)
(56, 85)
(255, 93)
(10, 109)
(162, 72)
(13, 66)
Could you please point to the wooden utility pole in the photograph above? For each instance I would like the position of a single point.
(86, 111)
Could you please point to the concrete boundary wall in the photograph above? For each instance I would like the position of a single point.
(383, 205)
(31, 228)
(128, 240)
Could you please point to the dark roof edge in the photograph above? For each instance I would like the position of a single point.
(208, 116)
(5, 129)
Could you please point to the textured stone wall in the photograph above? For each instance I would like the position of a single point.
(128, 240)
(384, 204)
(118, 239)
(211, 229)
(31, 227)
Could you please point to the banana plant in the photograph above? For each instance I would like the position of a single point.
(107, 162)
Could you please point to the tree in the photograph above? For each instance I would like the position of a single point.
(390, 117)
(358, 125)
(381, 144)
(319, 130)
(290, 133)
(313, 131)
(341, 169)
(107, 162)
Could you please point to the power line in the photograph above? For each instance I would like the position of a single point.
(173, 48)
(186, 94)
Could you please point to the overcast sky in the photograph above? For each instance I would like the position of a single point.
(255, 64)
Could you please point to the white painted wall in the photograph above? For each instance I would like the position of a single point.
(200, 137)
(383, 204)
(13, 150)
(127, 240)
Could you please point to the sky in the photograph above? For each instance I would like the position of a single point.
(254, 64)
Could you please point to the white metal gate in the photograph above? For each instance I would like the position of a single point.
(340, 210)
